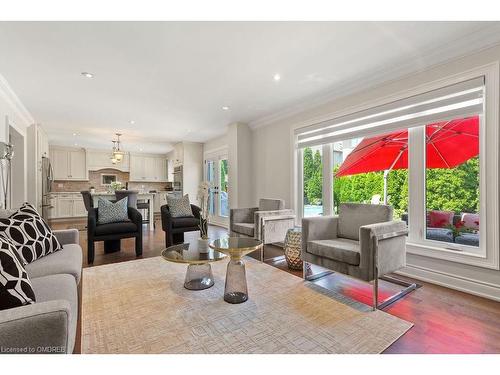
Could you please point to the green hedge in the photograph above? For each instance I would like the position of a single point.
(455, 189)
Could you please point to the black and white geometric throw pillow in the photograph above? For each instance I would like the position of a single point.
(29, 232)
(15, 285)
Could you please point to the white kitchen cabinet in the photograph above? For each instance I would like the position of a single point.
(66, 205)
(79, 207)
(101, 159)
(69, 164)
(77, 165)
(148, 168)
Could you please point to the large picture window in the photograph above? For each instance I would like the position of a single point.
(424, 156)
(313, 181)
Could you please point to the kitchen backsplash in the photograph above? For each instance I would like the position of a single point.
(95, 181)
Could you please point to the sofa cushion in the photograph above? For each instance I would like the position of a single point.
(109, 212)
(31, 235)
(440, 219)
(15, 285)
(352, 216)
(185, 222)
(66, 261)
(471, 239)
(244, 228)
(115, 228)
(340, 250)
(266, 204)
(470, 220)
(179, 207)
(59, 287)
(439, 234)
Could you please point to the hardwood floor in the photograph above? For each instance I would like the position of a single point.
(445, 320)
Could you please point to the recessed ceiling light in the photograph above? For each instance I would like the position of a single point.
(76, 144)
(132, 122)
(74, 134)
(87, 75)
(276, 77)
(225, 108)
(140, 149)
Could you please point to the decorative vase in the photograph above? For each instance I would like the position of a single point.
(203, 245)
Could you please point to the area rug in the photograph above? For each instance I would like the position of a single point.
(141, 306)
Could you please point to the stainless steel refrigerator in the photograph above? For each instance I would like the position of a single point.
(47, 178)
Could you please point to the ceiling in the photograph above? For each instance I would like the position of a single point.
(173, 78)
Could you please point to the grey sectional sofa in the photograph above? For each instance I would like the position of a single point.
(50, 324)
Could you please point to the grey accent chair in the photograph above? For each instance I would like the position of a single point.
(269, 222)
(362, 241)
(50, 324)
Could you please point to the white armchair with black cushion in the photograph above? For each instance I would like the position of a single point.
(269, 222)
(362, 241)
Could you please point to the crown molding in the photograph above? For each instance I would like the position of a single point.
(13, 101)
(480, 40)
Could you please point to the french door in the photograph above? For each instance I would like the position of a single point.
(216, 173)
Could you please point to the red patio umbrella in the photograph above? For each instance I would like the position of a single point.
(449, 143)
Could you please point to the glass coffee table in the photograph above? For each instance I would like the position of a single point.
(199, 272)
(236, 290)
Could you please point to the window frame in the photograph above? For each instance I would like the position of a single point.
(488, 254)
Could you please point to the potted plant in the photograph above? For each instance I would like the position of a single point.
(203, 197)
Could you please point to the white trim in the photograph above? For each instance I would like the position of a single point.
(219, 149)
(463, 284)
(16, 105)
(484, 38)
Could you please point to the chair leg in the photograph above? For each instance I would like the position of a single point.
(90, 252)
(138, 246)
(306, 268)
(409, 287)
(375, 294)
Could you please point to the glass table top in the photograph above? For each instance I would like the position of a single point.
(236, 245)
(188, 253)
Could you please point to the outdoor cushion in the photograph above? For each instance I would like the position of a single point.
(271, 204)
(440, 234)
(440, 219)
(115, 228)
(66, 261)
(471, 239)
(340, 250)
(244, 228)
(57, 287)
(184, 222)
(109, 212)
(352, 216)
(471, 220)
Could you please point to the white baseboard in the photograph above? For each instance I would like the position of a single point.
(462, 284)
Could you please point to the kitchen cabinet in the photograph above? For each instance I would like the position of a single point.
(101, 159)
(65, 205)
(69, 164)
(148, 168)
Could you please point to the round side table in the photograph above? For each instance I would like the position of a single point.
(293, 245)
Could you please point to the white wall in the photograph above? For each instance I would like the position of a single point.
(14, 114)
(273, 167)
